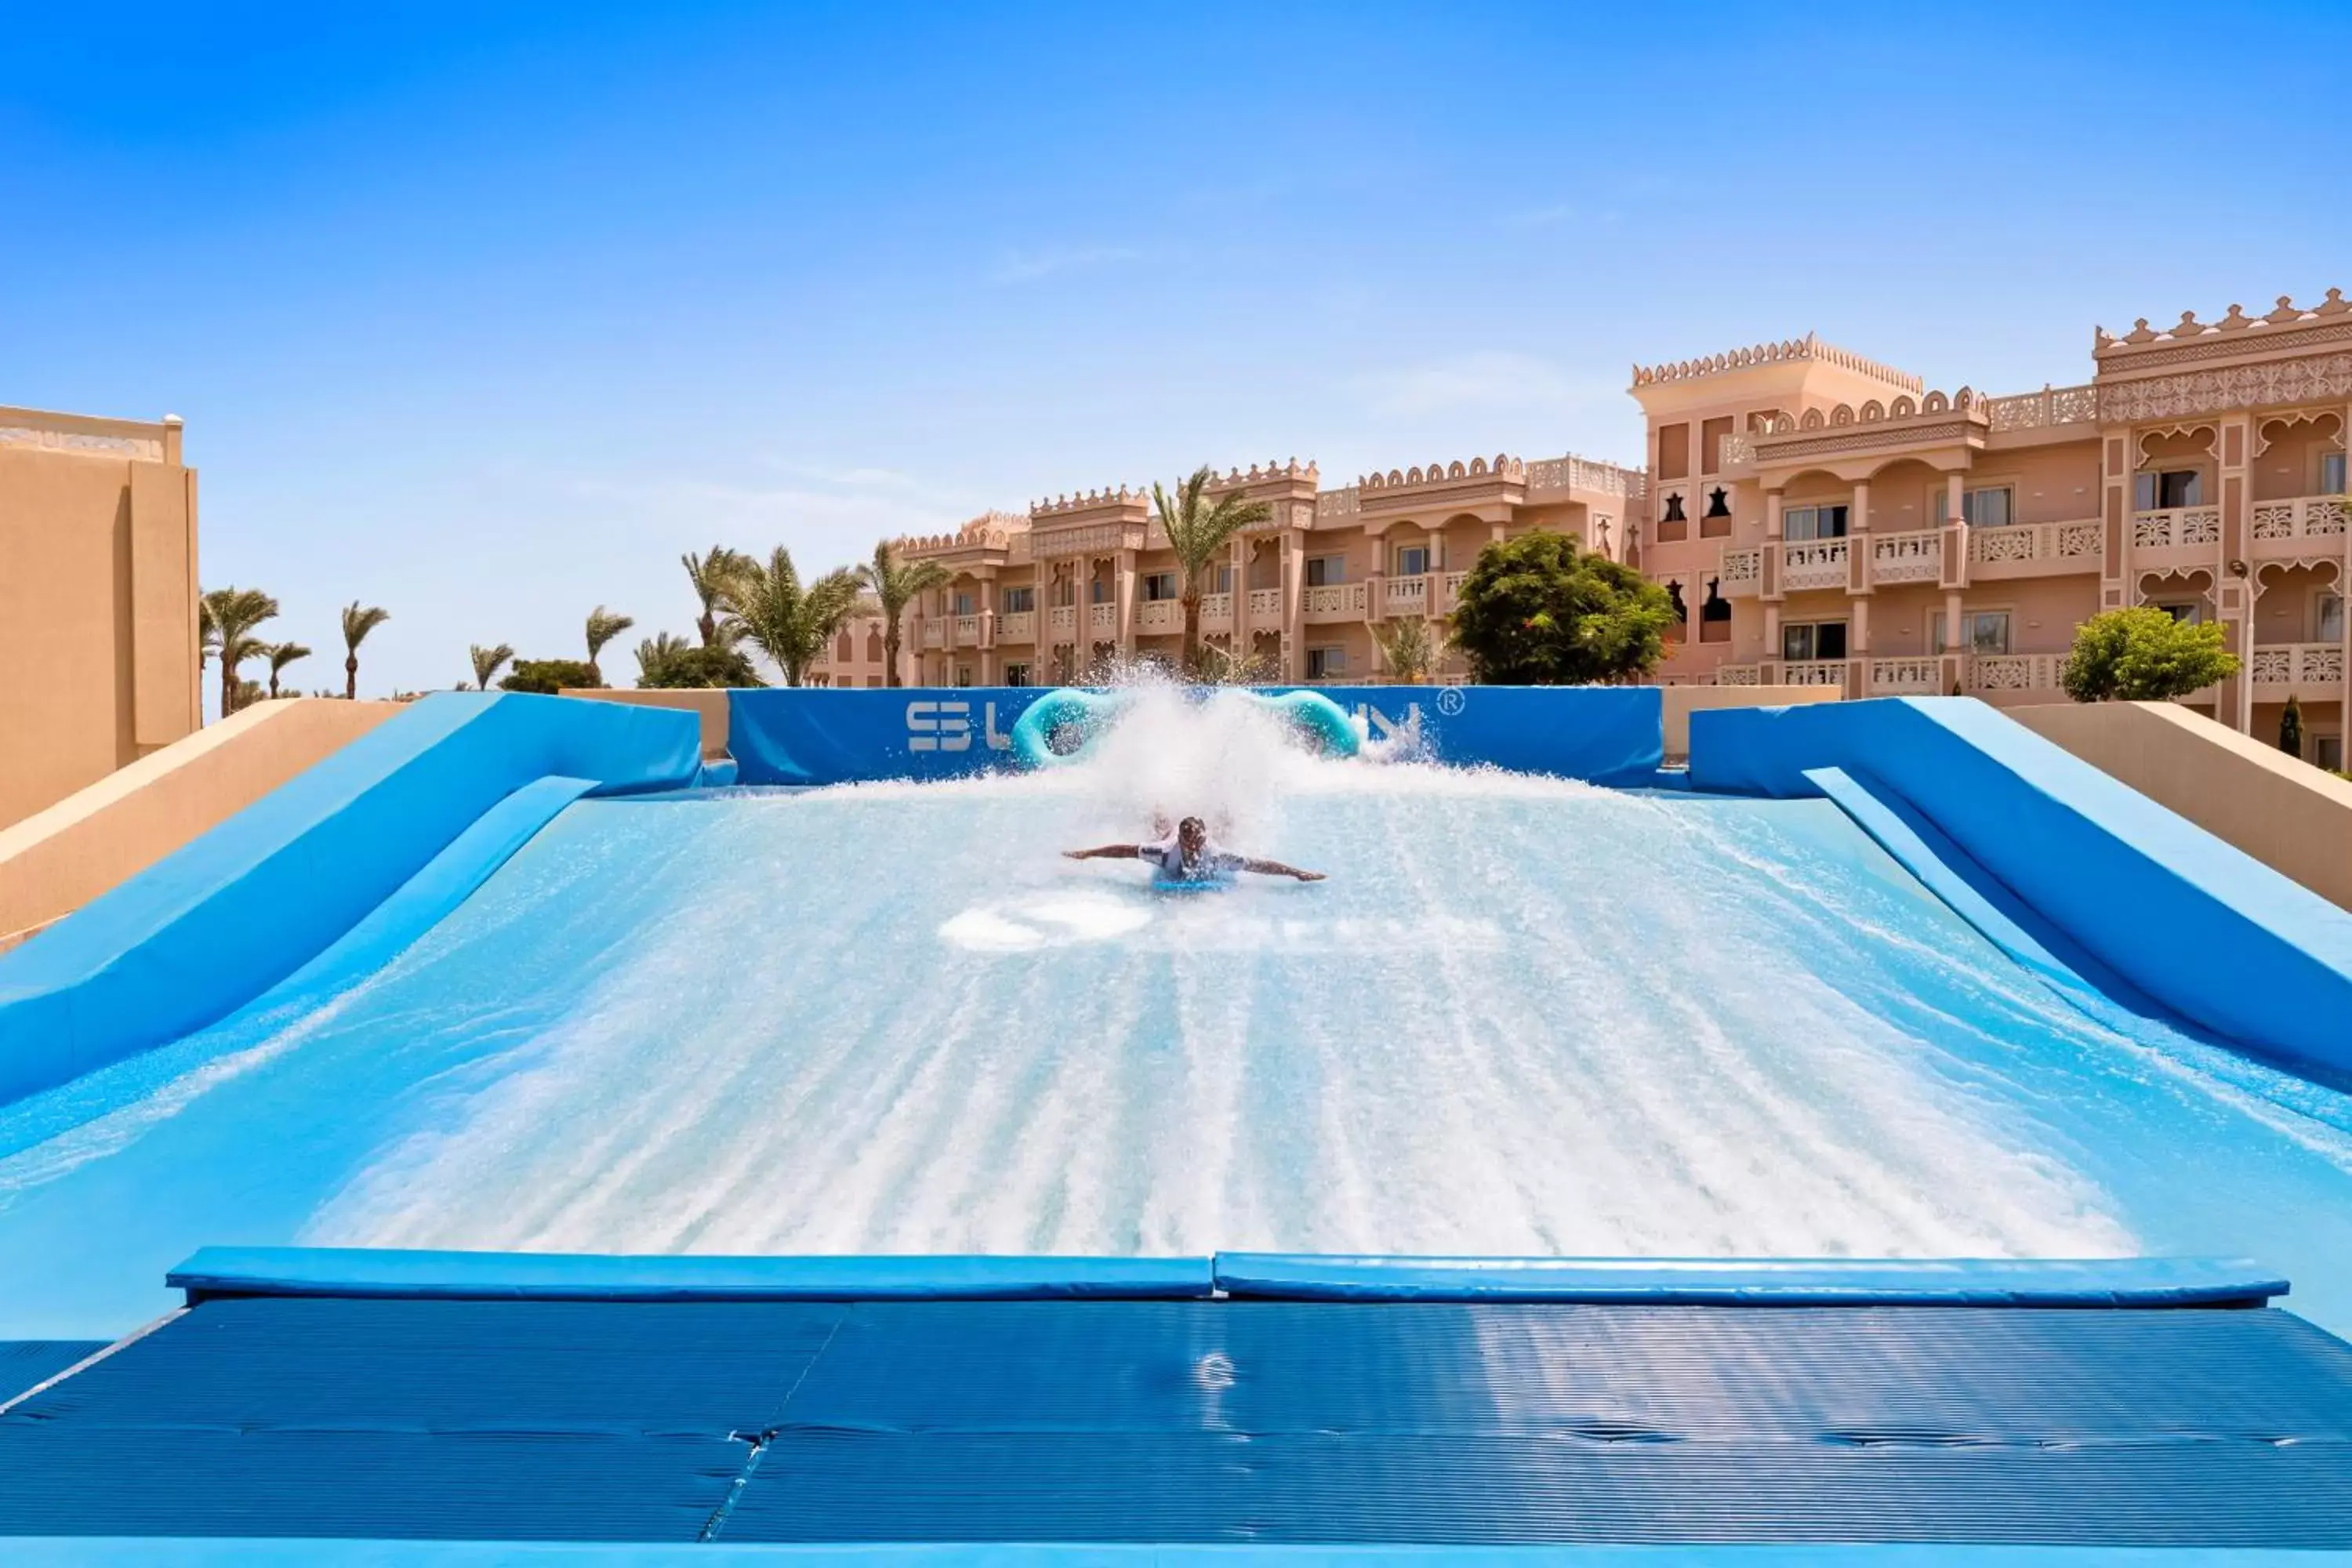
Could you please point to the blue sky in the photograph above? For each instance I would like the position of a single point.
(485, 314)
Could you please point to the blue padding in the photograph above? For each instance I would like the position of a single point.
(257, 1551)
(1611, 735)
(1771, 1282)
(1252, 1423)
(716, 773)
(579, 1277)
(212, 926)
(2209, 932)
(24, 1362)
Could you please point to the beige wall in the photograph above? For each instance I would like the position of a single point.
(2289, 815)
(59, 859)
(1681, 701)
(98, 601)
(709, 704)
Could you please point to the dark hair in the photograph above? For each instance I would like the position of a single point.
(1193, 822)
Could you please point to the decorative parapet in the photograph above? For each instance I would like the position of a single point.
(87, 436)
(1087, 500)
(1293, 470)
(989, 531)
(1336, 503)
(2233, 330)
(1571, 472)
(1933, 419)
(1505, 467)
(2051, 405)
(1808, 348)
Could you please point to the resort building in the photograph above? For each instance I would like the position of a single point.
(1820, 518)
(98, 600)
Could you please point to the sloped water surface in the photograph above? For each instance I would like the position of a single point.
(1522, 1016)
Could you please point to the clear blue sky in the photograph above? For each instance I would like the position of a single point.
(485, 313)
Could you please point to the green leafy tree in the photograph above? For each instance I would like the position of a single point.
(603, 626)
(2143, 655)
(281, 655)
(2290, 728)
(768, 607)
(548, 676)
(227, 620)
(707, 574)
(1539, 611)
(894, 584)
(666, 662)
(1197, 529)
(485, 662)
(358, 621)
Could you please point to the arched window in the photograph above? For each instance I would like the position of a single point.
(843, 647)
(1714, 615)
(874, 643)
(1718, 503)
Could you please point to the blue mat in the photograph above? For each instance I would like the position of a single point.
(1217, 1421)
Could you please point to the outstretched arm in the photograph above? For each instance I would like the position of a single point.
(1276, 869)
(1105, 852)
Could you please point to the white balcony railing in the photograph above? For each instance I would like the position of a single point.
(1062, 618)
(1449, 591)
(2311, 517)
(1916, 557)
(1016, 625)
(1741, 566)
(1914, 675)
(1406, 595)
(1102, 617)
(1216, 610)
(1336, 599)
(2013, 671)
(1159, 615)
(2176, 527)
(1265, 603)
(2078, 543)
(1738, 675)
(967, 630)
(1813, 672)
(932, 636)
(2303, 668)
(1814, 564)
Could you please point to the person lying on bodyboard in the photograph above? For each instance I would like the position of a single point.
(1187, 857)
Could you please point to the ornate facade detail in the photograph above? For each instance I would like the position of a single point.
(2050, 406)
(2237, 386)
(1808, 347)
(1741, 566)
(1336, 503)
(143, 449)
(1864, 438)
(2284, 330)
(1505, 467)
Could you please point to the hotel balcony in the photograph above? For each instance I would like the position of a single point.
(1994, 676)
(1739, 574)
(1102, 620)
(1913, 557)
(2304, 670)
(1265, 606)
(1216, 612)
(2036, 549)
(967, 631)
(2176, 538)
(1062, 622)
(1814, 564)
(1405, 596)
(1159, 617)
(1017, 626)
(1335, 601)
(934, 637)
(2309, 525)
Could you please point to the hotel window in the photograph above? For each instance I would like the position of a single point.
(1158, 585)
(2188, 612)
(964, 604)
(1674, 597)
(873, 680)
(1713, 614)
(963, 674)
(1673, 513)
(2327, 751)
(1718, 503)
(1325, 571)
(843, 650)
(1814, 522)
(1987, 631)
(2170, 488)
(1994, 507)
(1325, 663)
(1016, 675)
(2331, 473)
(1019, 601)
(1811, 640)
(1412, 560)
(1098, 591)
(1224, 581)
(873, 653)
(2327, 618)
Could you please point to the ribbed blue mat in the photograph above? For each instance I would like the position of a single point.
(1197, 1421)
(24, 1362)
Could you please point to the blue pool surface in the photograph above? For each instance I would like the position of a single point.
(1523, 1016)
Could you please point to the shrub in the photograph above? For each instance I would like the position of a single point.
(1538, 611)
(2143, 655)
(698, 667)
(548, 676)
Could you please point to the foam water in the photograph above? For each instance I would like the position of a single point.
(1523, 1016)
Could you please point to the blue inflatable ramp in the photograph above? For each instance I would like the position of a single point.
(1139, 1419)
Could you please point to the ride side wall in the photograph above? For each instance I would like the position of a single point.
(1603, 734)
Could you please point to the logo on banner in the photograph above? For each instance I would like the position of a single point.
(1379, 726)
(1450, 701)
(947, 727)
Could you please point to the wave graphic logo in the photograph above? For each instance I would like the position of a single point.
(933, 726)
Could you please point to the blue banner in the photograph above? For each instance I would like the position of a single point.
(1604, 734)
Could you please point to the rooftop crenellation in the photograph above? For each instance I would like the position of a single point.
(2287, 314)
(1808, 347)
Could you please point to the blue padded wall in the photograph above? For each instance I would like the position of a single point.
(212, 926)
(2207, 931)
(1611, 735)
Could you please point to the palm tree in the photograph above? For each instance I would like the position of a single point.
(708, 573)
(228, 618)
(895, 582)
(1196, 530)
(280, 656)
(1411, 646)
(357, 623)
(789, 623)
(657, 650)
(486, 661)
(603, 626)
